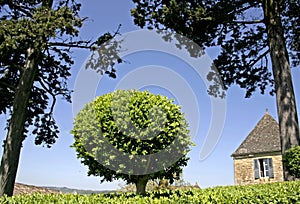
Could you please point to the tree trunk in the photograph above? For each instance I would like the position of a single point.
(285, 98)
(15, 133)
(141, 184)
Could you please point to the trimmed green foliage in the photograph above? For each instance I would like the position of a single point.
(132, 135)
(284, 192)
(291, 160)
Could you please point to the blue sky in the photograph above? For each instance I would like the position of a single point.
(59, 166)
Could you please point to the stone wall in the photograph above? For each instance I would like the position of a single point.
(244, 170)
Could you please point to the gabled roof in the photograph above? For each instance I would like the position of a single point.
(264, 138)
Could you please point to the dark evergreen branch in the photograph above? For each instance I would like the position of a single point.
(267, 61)
(117, 31)
(53, 104)
(253, 62)
(244, 8)
(81, 44)
(249, 22)
(48, 89)
(113, 36)
(47, 3)
(5, 84)
(19, 8)
(15, 66)
(69, 45)
(49, 92)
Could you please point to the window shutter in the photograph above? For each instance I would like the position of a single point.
(256, 169)
(270, 164)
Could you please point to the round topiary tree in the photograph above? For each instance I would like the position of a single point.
(132, 135)
(291, 161)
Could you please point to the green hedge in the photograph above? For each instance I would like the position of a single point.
(291, 161)
(284, 192)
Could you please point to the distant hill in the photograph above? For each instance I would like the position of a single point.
(77, 191)
(20, 189)
(29, 189)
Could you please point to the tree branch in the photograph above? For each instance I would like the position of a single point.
(52, 94)
(117, 31)
(47, 3)
(5, 84)
(82, 44)
(42, 83)
(18, 7)
(113, 36)
(249, 22)
(69, 45)
(253, 62)
(244, 8)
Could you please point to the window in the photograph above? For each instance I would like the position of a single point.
(263, 168)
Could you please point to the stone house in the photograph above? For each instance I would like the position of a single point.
(258, 159)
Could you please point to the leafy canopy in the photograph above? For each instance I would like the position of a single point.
(119, 134)
(291, 160)
(237, 27)
(24, 25)
(52, 30)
